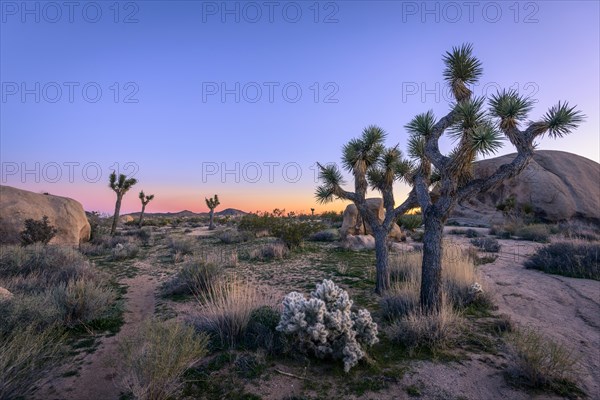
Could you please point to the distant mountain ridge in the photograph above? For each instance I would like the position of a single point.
(232, 212)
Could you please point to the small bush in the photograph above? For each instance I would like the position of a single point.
(293, 233)
(194, 277)
(540, 362)
(489, 245)
(410, 222)
(270, 251)
(81, 301)
(231, 237)
(328, 235)
(182, 245)
(261, 332)
(225, 310)
(124, 252)
(34, 311)
(535, 233)
(37, 231)
(471, 233)
(575, 259)
(26, 356)
(579, 230)
(155, 358)
(433, 331)
(326, 326)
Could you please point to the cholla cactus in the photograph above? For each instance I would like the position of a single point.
(325, 324)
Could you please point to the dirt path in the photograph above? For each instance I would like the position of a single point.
(96, 373)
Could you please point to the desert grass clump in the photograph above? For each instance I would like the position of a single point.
(225, 310)
(182, 245)
(542, 363)
(194, 276)
(325, 325)
(576, 229)
(575, 258)
(28, 311)
(433, 331)
(489, 245)
(81, 301)
(26, 356)
(155, 358)
(124, 251)
(270, 251)
(44, 265)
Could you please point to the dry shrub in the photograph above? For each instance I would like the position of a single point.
(458, 274)
(270, 251)
(26, 356)
(575, 258)
(124, 251)
(81, 301)
(183, 245)
(224, 258)
(194, 277)
(541, 362)
(433, 331)
(226, 307)
(33, 310)
(155, 358)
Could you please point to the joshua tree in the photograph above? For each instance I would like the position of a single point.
(212, 204)
(120, 186)
(312, 212)
(439, 181)
(145, 200)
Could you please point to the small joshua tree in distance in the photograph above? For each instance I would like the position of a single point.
(120, 186)
(145, 200)
(212, 203)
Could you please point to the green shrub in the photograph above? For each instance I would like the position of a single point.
(37, 231)
(575, 259)
(261, 332)
(293, 233)
(328, 235)
(410, 222)
(26, 356)
(155, 358)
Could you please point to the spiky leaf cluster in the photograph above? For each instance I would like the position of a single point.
(121, 184)
(145, 199)
(461, 69)
(213, 202)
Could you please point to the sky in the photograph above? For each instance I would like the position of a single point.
(241, 99)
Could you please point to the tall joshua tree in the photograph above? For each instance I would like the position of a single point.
(439, 181)
(212, 204)
(120, 186)
(145, 200)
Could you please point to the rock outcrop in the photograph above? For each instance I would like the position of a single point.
(554, 186)
(67, 215)
(353, 224)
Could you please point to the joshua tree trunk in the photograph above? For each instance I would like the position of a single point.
(211, 225)
(431, 270)
(382, 282)
(116, 216)
(142, 215)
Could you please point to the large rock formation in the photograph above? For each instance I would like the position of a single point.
(555, 186)
(65, 214)
(353, 224)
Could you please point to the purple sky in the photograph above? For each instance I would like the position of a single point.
(242, 98)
